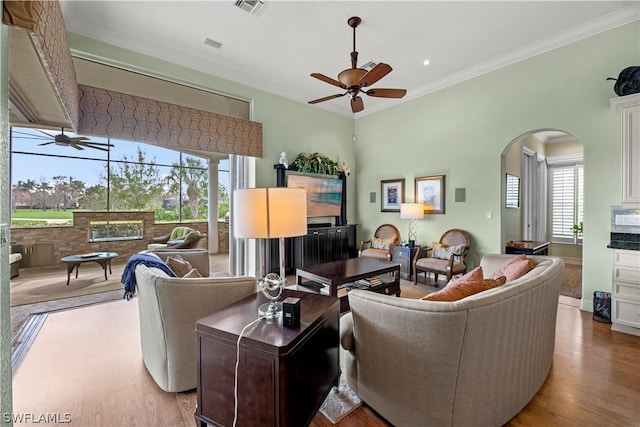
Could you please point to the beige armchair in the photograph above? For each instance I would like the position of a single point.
(379, 246)
(169, 308)
(446, 257)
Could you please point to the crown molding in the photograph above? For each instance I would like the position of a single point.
(608, 22)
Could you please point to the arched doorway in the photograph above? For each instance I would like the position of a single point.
(542, 196)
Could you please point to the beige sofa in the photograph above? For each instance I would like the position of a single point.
(169, 308)
(476, 361)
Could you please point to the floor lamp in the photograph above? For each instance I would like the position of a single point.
(413, 212)
(269, 213)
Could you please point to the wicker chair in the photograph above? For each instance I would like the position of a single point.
(374, 248)
(179, 238)
(448, 260)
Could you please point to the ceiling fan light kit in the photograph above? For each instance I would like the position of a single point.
(353, 80)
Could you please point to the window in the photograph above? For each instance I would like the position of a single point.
(51, 178)
(567, 206)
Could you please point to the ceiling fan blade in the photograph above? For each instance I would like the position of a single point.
(356, 104)
(46, 143)
(98, 148)
(326, 98)
(44, 133)
(78, 138)
(387, 93)
(376, 73)
(97, 145)
(328, 80)
(76, 146)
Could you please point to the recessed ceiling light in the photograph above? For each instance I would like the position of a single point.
(426, 62)
(212, 43)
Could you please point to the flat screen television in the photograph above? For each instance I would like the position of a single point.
(324, 193)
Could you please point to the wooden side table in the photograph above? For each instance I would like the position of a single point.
(404, 255)
(527, 247)
(284, 374)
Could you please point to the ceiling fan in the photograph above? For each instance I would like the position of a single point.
(354, 80)
(77, 142)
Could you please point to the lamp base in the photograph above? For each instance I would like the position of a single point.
(412, 243)
(270, 310)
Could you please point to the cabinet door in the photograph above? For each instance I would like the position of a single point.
(314, 248)
(337, 244)
(631, 154)
(37, 255)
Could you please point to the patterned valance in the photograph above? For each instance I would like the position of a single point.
(111, 114)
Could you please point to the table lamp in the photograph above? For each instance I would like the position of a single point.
(413, 212)
(269, 213)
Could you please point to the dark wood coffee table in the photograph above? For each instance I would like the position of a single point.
(338, 277)
(74, 261)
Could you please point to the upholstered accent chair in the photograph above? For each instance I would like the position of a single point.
(14, 261)
(169, 308)
(379, 246)
(444, 257)
(179, 238)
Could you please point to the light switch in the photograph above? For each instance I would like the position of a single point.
(489, 214)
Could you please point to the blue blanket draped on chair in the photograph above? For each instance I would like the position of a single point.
(129, 276)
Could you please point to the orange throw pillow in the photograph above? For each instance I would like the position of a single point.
(515, 268)
(469, 284)
(493, 283)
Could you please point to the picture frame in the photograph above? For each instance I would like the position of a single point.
(512, 192)
(430, 190)
(391, 195)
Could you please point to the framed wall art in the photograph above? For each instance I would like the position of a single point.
(430, 190)
(392, 194)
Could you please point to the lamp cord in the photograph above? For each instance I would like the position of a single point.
(235, 384)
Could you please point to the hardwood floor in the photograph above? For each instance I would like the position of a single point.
(87, 363)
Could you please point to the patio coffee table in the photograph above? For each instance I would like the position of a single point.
(338, 277)
(74, 261)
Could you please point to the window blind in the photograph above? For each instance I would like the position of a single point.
(567, 201)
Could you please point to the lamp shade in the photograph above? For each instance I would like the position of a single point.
(266, 213)
(411, 210)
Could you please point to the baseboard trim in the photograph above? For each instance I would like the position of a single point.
(573, 261)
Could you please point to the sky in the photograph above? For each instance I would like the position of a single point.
(25, 166)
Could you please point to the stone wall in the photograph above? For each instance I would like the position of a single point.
(69, 240)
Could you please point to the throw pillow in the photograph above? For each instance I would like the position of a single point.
(493, 283)
(516, 267)
(193, 273)
(179, 265)
(441, 251)
(379, 243)
(191, 236)
(469, 284)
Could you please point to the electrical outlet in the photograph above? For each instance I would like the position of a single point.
(489, 215)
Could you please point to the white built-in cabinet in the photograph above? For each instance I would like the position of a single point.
(625, 315)
(629, 109)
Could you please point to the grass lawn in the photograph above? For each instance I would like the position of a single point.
(43, 215)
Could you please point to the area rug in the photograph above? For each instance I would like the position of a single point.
(33, 288)
(572, 281)
(340, 402)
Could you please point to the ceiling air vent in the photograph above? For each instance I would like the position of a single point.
(250, 6)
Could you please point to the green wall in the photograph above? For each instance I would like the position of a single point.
(462, 130)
